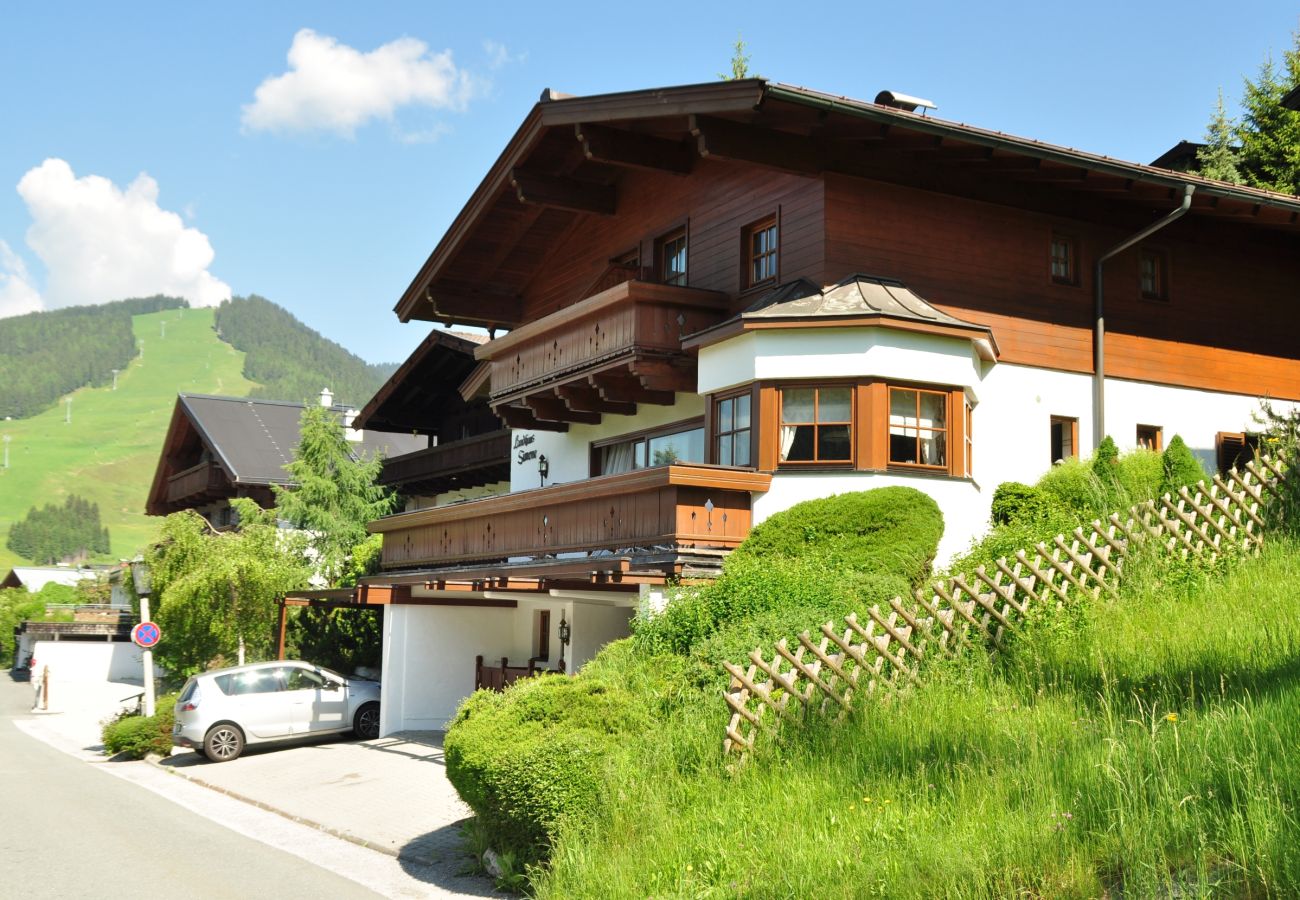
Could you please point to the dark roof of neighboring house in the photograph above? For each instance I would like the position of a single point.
(1181, 157)
(1291, 100)
(426, 385)
(255, 439)
(251, 441)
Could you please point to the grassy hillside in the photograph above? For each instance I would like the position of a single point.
(1141, 747)
(108, 452)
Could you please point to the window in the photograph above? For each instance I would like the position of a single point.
(731, 431)
(968, 414)
(1153, 276)
(1150, 437)
(542, 635)
(1064, 261)
(1233, 449)
(760, 252)
(1065, 438)
(817, 424)
(257, 681)
(672, 258)
(677, 443)
(296, 679)
(918, 428)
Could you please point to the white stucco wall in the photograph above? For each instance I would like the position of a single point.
(594, 626)
(72, 662)
(569, 453)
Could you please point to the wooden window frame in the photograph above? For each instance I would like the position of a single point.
(947, 430)
(968, 435)
(1157, 433)
(713, 433)
(817, 386)
(661, 257)
(646, 434)
(1071, 278)
(747, 257)
(1073, 422)
(1161, 259)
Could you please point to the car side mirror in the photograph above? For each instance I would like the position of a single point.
(332, 685)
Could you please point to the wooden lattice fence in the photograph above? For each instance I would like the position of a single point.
(884, 652)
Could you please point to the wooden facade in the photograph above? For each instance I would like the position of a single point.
(677, 506)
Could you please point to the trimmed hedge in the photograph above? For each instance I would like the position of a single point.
(1017, 502)
(890, 530)
(139, 736)
(529, 757)
(1180, 467)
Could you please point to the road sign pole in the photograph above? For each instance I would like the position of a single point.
(147, 656)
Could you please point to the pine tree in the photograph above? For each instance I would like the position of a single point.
(1181, 467)
(1105, 460)
(1269, 133)
(334, 494)
(1218, 158)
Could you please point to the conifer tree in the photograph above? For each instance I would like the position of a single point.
(1218, 158)
(1269, 133)
(1181, 467)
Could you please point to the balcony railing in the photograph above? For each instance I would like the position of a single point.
(471, 462)
(205, 478)
(607, 353)
(678, 506)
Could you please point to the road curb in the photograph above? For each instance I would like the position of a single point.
(156, 761)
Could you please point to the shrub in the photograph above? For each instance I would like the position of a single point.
(1017, 502)
(1104, 460)
(1140, 475)
(891, 530)
(1180, 467)
(1077, 489)
(139, 736)
(530, 757)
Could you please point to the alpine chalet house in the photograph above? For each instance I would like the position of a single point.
(218, 448)
(714, 301)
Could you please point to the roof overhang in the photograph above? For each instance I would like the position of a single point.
(423, 386)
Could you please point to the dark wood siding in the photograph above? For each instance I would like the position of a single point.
(1226, 326)
(717, 199)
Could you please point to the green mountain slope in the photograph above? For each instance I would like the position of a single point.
(108, 451)
(290, 361)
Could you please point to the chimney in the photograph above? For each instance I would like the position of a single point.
(352, 434)
(326, 398)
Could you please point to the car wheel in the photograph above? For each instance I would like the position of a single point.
(366, 723)
(223, 743)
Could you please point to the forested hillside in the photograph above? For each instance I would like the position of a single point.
(46, 355)
(290, 361)
(66, 533)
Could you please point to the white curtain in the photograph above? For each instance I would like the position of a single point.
(617, 459)
(787, 439)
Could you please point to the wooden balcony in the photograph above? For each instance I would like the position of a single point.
(679, 506)
(605, 354)
(204, 480)
(471, 462)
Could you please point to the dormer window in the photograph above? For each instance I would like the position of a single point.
(672, 258)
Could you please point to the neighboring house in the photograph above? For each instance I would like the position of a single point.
(441, 392)
(33, 578)
(723, 299)
(218, 448)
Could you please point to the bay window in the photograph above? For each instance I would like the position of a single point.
(817, 424)
(918, 428)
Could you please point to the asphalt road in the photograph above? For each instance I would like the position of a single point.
(70, 829)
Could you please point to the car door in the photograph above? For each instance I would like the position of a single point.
(259, 703)
(319, 702)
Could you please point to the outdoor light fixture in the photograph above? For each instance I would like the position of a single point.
(141, 577)
(543, 468)
(565, 631)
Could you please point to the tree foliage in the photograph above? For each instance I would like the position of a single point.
(44, 355)
(59, 533)
(1218, 158)
(334, 494)
(739, 63)
(216, 590)
(290, 361)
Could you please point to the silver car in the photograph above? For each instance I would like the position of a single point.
(220, 712)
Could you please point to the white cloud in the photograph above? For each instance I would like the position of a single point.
(333, 87)
(100, 243)
(17, 293)
(499, 56)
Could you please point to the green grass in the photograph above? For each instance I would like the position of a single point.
(108, 452)
(1144, 747)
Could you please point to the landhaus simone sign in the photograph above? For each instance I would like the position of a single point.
(522, 441)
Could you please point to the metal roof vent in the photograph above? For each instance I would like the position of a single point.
(904, 101)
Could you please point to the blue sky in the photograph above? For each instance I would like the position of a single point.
(326, 191)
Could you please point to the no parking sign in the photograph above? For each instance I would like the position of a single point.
(146, 635)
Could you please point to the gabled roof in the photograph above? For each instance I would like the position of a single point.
(426, 386)
(252, 440)
(36, 577)
(855, 301)
(569, 155)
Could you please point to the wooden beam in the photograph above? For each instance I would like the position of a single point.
(587, 399)
(523, 418)
(638, 151)
(472, 305)
(725, 139)
(552, 409)
(620, 386)
(663, 376)
(563, 193)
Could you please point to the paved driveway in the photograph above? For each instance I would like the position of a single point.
(390, 794)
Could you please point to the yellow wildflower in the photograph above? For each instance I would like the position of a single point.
(1172, 717)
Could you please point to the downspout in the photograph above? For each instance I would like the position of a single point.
(1099, 314)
